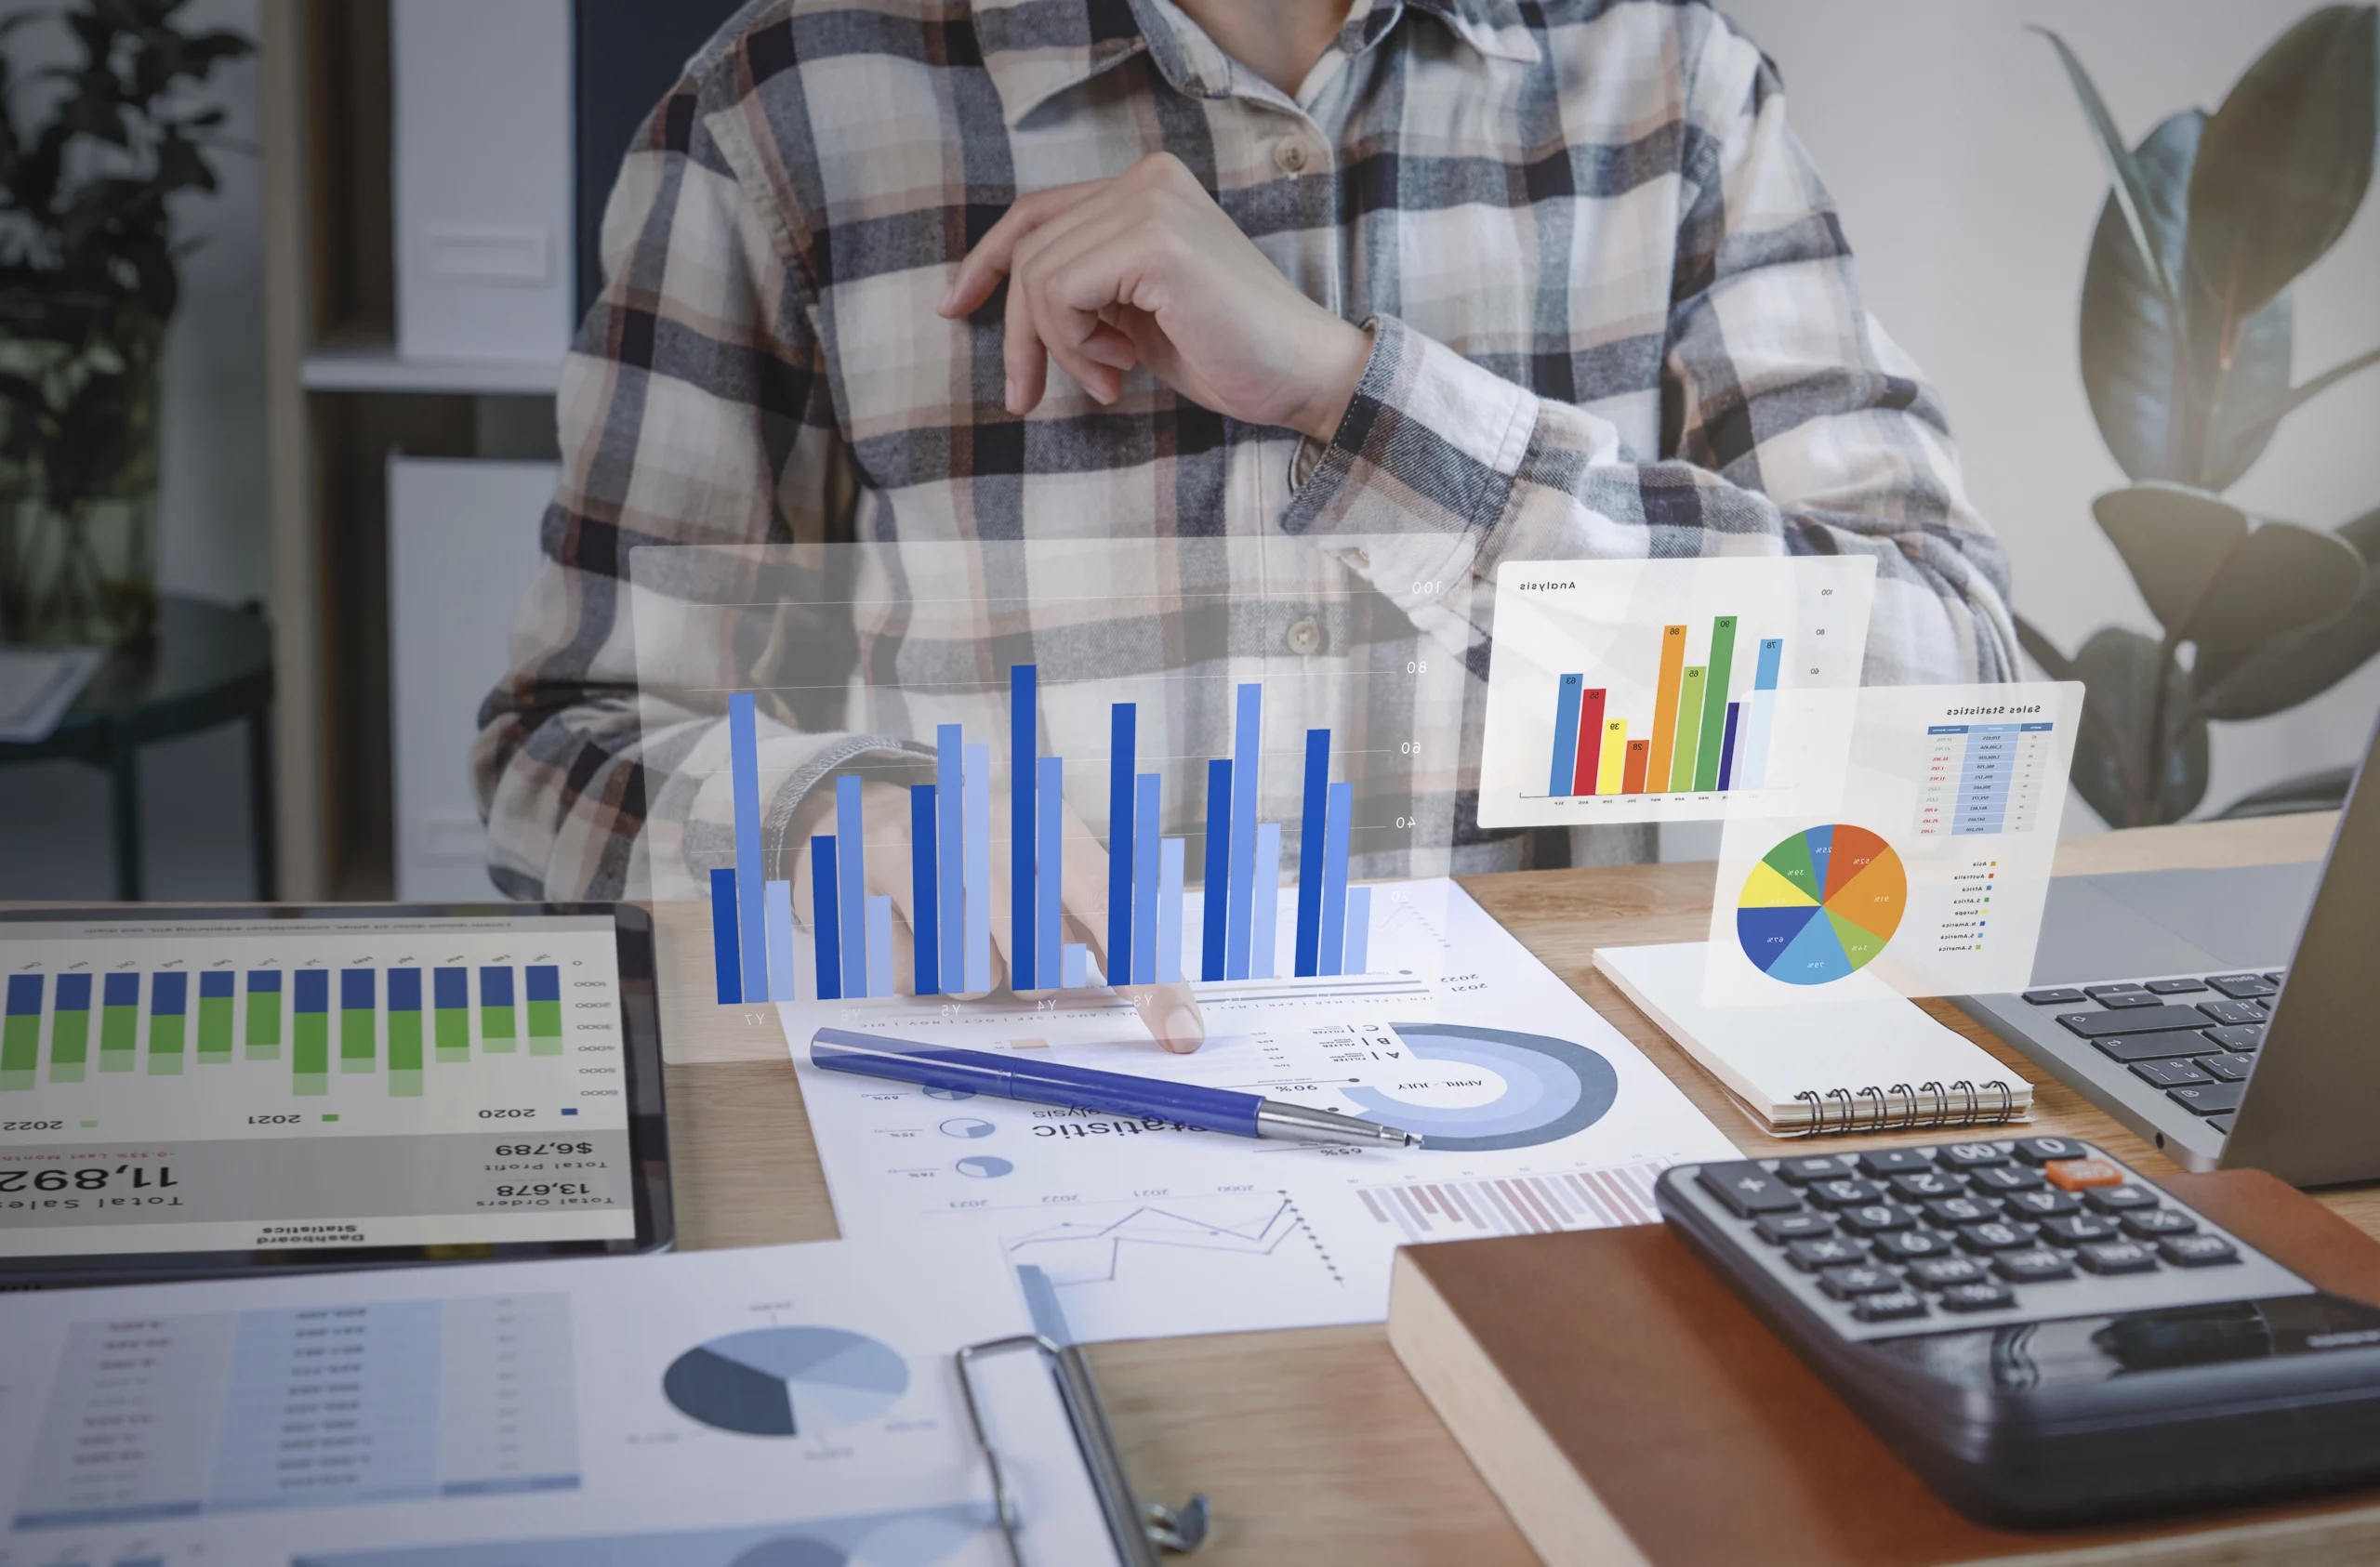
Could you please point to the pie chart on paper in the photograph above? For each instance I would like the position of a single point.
(1822, 904)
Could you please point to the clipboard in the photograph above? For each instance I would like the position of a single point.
(1141, 1530)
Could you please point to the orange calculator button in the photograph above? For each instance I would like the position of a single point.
(2076, 1175)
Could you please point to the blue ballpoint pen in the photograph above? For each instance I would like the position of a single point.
(1111, 1093)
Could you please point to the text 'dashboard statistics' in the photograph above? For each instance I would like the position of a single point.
(1650, 690)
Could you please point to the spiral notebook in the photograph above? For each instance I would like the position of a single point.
(1855, 1066)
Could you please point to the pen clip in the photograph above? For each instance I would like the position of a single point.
(1138, 1529)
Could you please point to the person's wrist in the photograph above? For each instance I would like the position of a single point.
(1345, 350)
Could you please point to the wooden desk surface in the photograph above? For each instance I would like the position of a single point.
(1313, 1444)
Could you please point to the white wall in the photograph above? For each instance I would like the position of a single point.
(1970, 188)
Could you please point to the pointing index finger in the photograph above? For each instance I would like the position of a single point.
(980, 269)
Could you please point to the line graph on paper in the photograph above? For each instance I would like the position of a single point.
(1181, 1248)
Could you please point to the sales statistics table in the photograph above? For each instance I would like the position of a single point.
(1314, 1444)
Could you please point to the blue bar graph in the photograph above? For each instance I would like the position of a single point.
(725, 956)
(1727, 746)
(1247, 751)
(950, 901)
(1050, 873)
(1359, 931)
(1263, 936)
(978, 774)
(744, 767)
(1147, 823)
(1566, 735)
(1074, 966)
(1215, 898)
(1170, 854)
(925, 891)
(1024, 750)
(1310, 847)
(880, 947)
(1752, 750)
(825, 926)
(1123, 755)
(1333, 949)
(851, 883)
(777, 905)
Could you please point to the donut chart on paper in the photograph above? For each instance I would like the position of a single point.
(1821, 906)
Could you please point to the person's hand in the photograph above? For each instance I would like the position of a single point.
(1145, 269)
(1170, 1012)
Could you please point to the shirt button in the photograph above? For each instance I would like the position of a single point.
(1303, 638)
(1288, 156)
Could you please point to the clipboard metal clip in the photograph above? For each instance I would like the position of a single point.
(1140, 1527)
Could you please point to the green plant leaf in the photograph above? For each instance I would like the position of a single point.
(2175, 541)
(2214, 577)
(2044, 652)
(2259, 422)
(2127, 780)
(2302, 663)
(2282, 165)
(2155, 422)
(2130, 195)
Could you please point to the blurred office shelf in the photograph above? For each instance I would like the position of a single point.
(378, 367)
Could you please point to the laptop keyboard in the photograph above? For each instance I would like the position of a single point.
(2195, 1037)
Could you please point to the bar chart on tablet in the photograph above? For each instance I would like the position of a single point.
(1652, 691)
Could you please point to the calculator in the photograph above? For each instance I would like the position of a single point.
(2043, 1335)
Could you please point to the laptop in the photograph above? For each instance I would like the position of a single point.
(2229, 1017)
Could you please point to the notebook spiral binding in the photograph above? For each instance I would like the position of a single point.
(1841, 1111)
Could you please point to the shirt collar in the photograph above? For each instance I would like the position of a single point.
(1035, 49)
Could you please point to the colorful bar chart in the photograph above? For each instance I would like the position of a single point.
(1653, 691)
(851, 933)
(217, 998)
(1699, 742)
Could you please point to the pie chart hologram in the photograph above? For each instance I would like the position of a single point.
(779, 1381)
(1822, 904)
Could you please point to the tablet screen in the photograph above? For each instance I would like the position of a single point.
(317, 1085)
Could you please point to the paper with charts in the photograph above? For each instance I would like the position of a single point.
(792, 1404)
(1659, 690)
(1540, 1117)
(1921, 868)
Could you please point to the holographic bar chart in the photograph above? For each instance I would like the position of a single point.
(853, 932)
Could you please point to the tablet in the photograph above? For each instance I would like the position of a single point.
(209, 1091)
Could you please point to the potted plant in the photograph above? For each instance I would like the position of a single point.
(2188, 341)
(90, 278)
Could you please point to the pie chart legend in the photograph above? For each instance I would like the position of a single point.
(1821, 906)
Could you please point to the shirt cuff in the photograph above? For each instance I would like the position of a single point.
(1430, 445)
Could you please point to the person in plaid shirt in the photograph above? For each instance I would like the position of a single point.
(1501, 279)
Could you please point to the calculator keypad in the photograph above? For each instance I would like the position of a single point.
(1889, 1241)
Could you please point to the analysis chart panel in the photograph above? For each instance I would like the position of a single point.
(1141, 1228)
(955, 771)
(204, 1085)
(1928, 874)
(1658, 691)
(781, 1404)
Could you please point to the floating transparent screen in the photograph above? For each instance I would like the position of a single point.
(887, 682)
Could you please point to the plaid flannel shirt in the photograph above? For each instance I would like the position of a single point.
(1613, 315)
